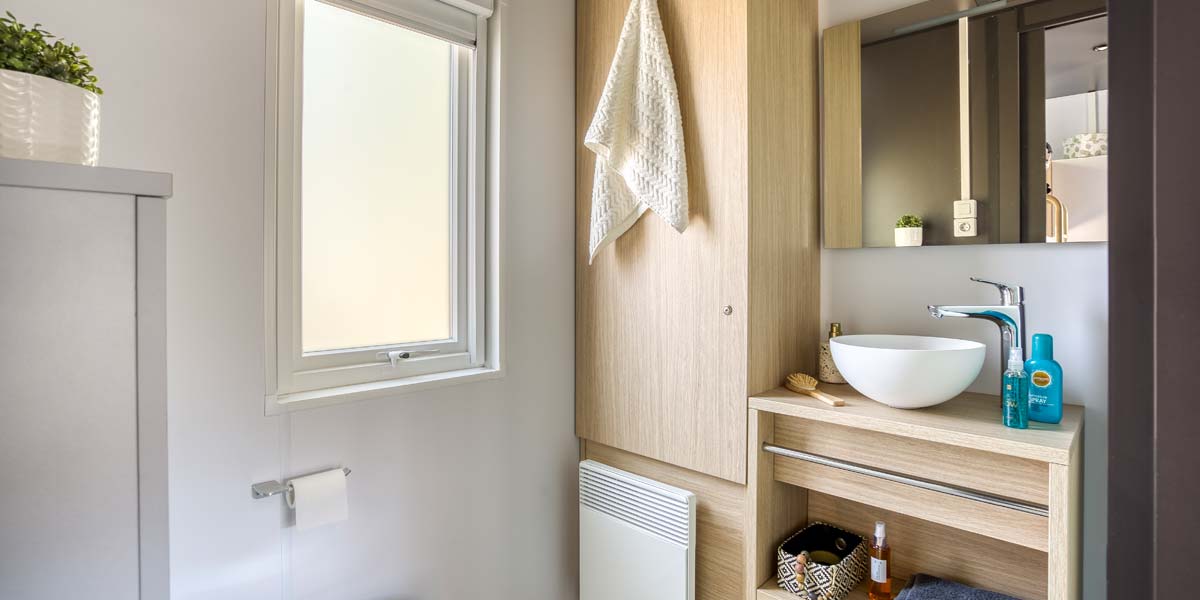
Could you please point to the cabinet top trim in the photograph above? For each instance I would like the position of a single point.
(968, 421)
(63, 176)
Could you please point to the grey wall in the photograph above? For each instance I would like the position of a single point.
(885, 290)
(452, 489)
(910, 141)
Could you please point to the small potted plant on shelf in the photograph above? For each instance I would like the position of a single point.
(49, 100)
(908, 230)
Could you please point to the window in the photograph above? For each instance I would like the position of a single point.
(377, 225)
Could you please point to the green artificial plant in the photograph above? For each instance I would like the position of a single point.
(36, 51)
(909, 221)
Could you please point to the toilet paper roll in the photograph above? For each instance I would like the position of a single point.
(319, 499)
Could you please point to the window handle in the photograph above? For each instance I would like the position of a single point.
(396, 356)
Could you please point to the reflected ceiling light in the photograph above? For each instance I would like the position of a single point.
(1100, 48)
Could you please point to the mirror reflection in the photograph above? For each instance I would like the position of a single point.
(975, 123)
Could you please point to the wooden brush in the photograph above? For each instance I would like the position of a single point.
(803, 383)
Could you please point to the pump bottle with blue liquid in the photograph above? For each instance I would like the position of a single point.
(1015, 392)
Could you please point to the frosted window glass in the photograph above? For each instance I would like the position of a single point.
(375, 183)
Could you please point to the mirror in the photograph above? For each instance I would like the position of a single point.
(960, 122)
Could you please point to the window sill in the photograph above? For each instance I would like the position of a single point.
(283, 403)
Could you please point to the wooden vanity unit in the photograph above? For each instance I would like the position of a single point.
(1003, 514)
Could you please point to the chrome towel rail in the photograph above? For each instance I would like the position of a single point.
(925, 484)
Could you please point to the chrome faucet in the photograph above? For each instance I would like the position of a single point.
(1009, 315)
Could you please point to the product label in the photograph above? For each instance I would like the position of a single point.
(1041, 378)
(879, 570)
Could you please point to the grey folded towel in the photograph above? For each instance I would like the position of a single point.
(928, 587)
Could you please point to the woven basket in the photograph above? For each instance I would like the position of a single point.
(801, 575)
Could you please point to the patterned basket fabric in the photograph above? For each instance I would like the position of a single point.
(1086, 145)
(809, 579)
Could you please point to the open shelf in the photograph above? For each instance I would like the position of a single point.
(772, 591)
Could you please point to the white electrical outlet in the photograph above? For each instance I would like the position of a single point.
(965, 227)
(965, 209)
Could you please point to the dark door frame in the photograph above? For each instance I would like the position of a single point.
(1154, 299)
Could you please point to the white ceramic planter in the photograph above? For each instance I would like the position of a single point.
(46, 119)
(908, 236)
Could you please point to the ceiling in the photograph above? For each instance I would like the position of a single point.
(1072, 67)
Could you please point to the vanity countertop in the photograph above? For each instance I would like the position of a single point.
(970, 421)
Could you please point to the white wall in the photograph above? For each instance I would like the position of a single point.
(452, 489)
(885, 290)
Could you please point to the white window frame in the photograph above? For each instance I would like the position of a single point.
(296, 379)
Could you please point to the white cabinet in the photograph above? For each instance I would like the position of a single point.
(82, 382)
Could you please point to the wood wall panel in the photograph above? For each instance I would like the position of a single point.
(720, 518)
(842, 142)
(660, 371)
(784, 233)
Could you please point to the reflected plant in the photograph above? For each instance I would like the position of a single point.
(38, 52)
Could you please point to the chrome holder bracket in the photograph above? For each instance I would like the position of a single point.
(266, 489)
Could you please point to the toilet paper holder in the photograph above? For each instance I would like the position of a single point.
(266, 489)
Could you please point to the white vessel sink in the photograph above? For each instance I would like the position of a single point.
(907, 371)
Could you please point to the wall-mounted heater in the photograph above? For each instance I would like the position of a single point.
(636, 537)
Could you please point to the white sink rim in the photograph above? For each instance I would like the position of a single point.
(873, 341)
(908, 371)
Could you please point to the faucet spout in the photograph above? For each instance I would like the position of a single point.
(1009, 317)
(938, 312)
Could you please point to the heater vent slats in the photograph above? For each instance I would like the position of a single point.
(657, 508)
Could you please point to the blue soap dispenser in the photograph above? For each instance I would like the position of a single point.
(1045, 381)
(1015, 392)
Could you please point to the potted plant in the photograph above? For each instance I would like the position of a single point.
(49, 101)
(908, 230)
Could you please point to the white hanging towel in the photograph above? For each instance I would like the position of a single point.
(637, 134)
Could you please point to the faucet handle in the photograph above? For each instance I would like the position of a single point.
(1010, 295)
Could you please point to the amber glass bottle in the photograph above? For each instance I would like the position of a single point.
(881, 568)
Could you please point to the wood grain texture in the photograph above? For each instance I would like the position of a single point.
(841, 145)
(660, 371)
(968, 421)
(720, 519)
(960, 443)
(923, 547)
(1066, 537)
(952, 511)
(1007, 476)
(776, 510)
(784, 234)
